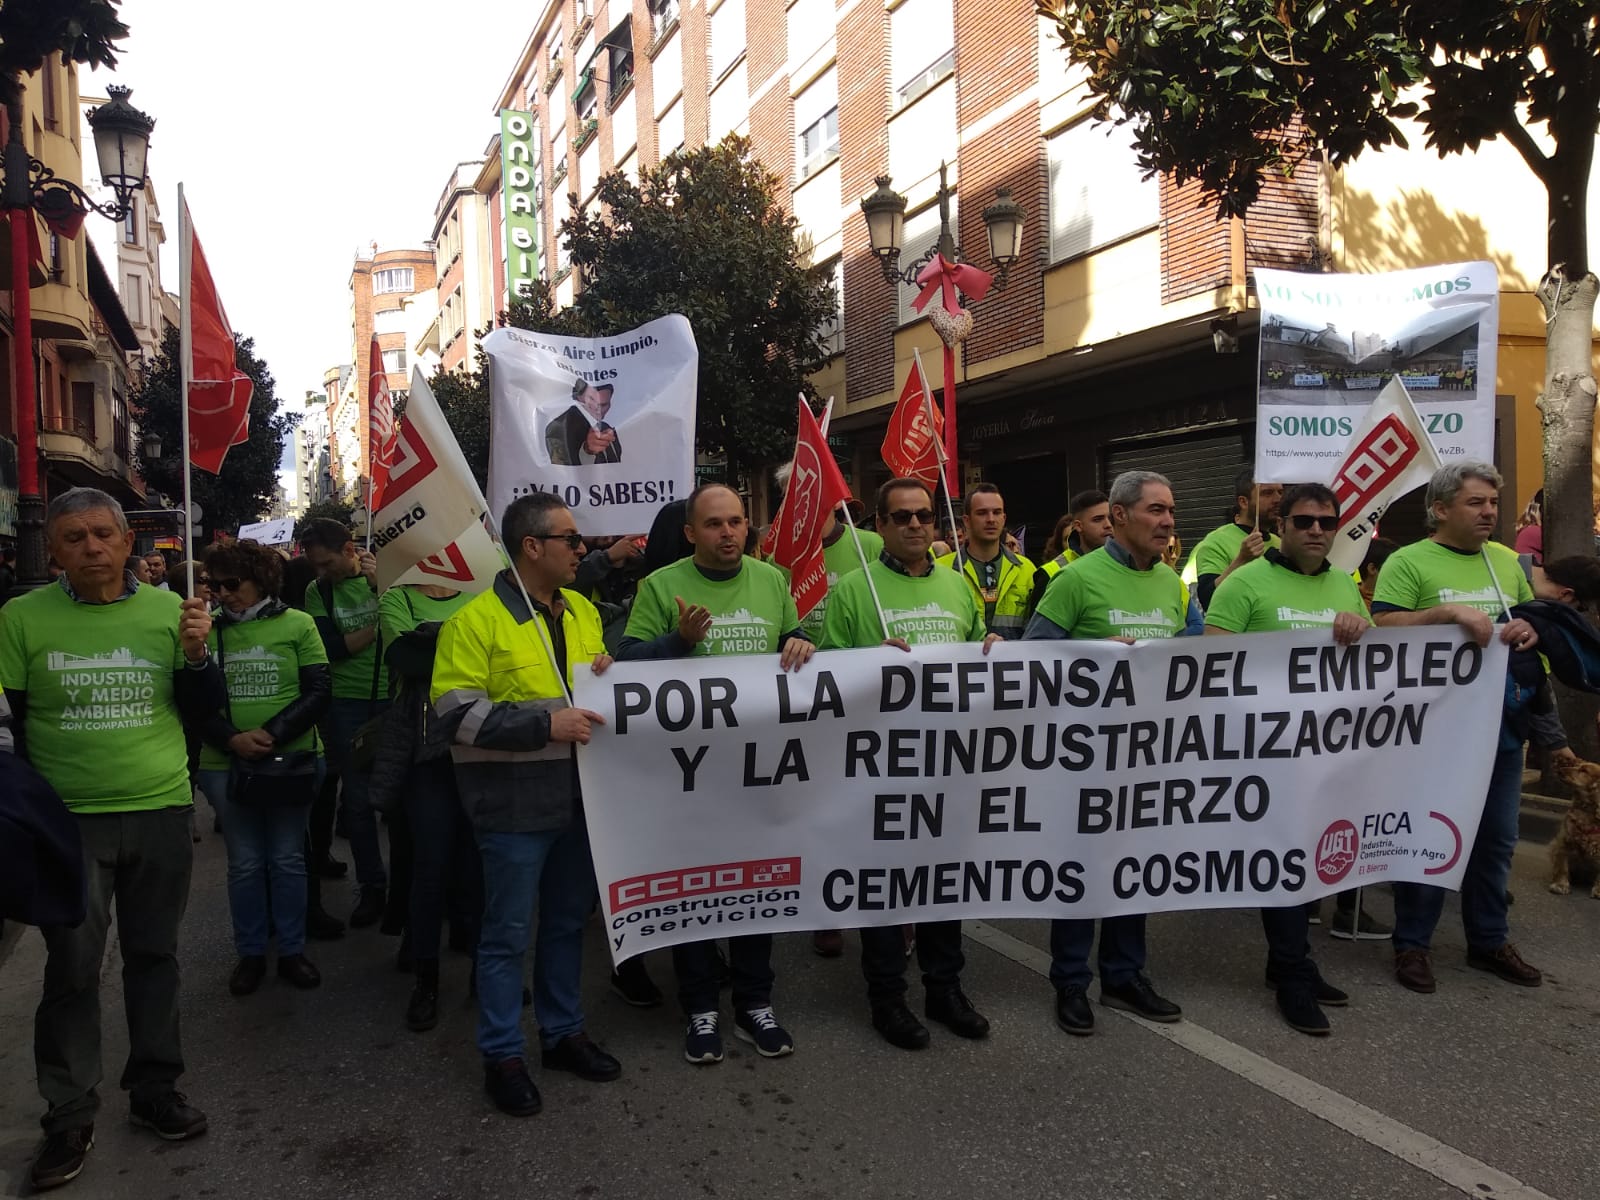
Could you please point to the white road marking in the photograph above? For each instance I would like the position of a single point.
(1445, 1163)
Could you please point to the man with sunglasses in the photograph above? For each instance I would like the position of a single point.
(922, 605)
(1292, 587)
(718, 601)
(1121, 592)
(500, 687)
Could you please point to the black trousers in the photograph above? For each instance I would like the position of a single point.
(883, 959)
(700, 980)
(1288, 947)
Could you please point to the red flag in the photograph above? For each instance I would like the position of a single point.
(911, 442)
(815, 489)
(219, 393)
(382, 435)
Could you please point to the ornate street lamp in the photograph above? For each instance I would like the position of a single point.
(122, 141)
(150, 446)
(944, 271)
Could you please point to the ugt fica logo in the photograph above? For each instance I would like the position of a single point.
(1336, 851)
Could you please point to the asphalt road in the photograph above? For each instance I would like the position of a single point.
(1483, 1089)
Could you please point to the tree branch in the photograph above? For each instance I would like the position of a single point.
(1538, 161)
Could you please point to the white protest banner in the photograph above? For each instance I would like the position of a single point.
(606, 423)
(430, 502)
(1330, 342)
(277, 532)
(1390, 455)
(1061, 779)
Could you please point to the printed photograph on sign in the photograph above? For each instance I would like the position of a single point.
(1330, 344)
(607, 424)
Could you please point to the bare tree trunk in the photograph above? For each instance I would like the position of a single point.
(1566, 409)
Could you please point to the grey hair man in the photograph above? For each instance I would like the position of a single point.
(1121, 592)
(1457, 576)
(100, 673)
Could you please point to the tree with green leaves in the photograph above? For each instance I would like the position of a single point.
(80, 31)
(1227, 91)
(249, 476)
(332, 510)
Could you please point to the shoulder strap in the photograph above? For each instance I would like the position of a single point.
(325, 590)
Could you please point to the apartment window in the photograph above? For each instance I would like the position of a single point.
(922, 37)
(393, 279)
(560, 172)
(619, 50)
(51, 98)
(816, 118)
(133, 299)
(586, 102)
(663, 14)
(121, 426)
(921, 234)
(832, 331)
(669, 132)
(1097, 190)
(83, 410)
(394, 361)
(130, 223)
(58, 262)
(727, 37)
(582, 10)
(389, 320)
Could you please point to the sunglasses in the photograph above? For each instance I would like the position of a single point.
(573, 540)
(904, 516)
(224, 585)
(1304, 521)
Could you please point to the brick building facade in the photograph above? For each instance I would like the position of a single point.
(380, 285)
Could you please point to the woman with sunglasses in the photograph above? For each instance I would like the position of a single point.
(255, 751)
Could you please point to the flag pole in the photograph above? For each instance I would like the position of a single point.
(944, 474)
(185, 370)
(855, 535)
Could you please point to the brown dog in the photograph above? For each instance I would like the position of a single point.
(1577, 846)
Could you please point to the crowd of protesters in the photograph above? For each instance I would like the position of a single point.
(294, 698)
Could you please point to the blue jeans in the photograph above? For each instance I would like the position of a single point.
(1121, 950)
(554, 869)
(339, 727)
(266, 863)
(1417, 906)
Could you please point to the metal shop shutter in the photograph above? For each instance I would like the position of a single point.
(1201, 467)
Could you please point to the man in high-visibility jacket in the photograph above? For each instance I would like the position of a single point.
(498, 693)
(1001, 582)
(1088, 525)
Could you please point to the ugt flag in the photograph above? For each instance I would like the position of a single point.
(912, 441)
(430, 528)
(1389, 455)
(815, 489)
(381, 431)
(218, 393)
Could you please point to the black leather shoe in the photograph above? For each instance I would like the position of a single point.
(899, 1025)
(953, 1010)
(510, 1088)
(633, 983)
(1324, 992)
(1073, 1013)
(331, 868)
(583, 1058)
(323, 926)
(1138, 997)
(170, 1115)
(1299, 1007)
(422, 1010)
(369, 908)
(300, 971)
(60, 1159)
(247, 976)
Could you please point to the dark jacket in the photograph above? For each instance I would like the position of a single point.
(42, 879)
(563, 439)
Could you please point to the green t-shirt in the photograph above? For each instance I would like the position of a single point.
(1426, 574)
(749, 612)
(925, 610)
(403, 607)
(1097, 597)
(261, 660)
(840, 559)
(1265, 595)
(1216, 550)
(102, 725)
(355, 606)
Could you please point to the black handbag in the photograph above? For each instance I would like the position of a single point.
(283, 780)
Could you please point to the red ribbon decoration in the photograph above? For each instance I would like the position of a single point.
(946, 277)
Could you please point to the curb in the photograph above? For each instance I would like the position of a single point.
(1540, 818)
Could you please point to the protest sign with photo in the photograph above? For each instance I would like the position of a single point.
(1071, 779)
(1329, 343)
(606, 423)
